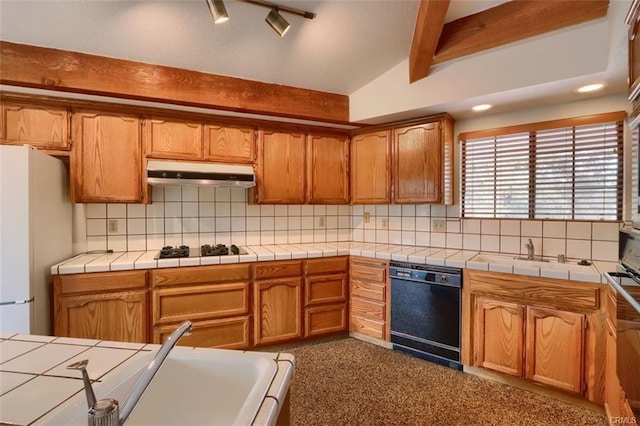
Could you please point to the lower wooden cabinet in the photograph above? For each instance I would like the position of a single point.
(325, 296)
(555, 352)
(278, 310)
(105, 306)
(233, 306)
(226, 333)
(216, 299)
(369, 311)
(544, 330)
(499, 336)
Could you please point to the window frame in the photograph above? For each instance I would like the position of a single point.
(532, 128)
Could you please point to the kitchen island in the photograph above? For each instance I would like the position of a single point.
(37, 388)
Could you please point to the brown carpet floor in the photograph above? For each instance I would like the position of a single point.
(350, 382)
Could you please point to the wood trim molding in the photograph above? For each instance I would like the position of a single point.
(426, 34)
(545, 125)
(513, 21)
(66, 71)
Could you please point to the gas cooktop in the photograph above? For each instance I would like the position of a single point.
(170, 252)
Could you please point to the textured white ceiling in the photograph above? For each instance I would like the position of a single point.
(349, 45)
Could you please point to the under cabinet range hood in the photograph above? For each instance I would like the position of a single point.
(201, 174)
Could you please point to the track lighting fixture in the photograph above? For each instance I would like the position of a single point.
(274, 18)
(277, 22)
(218, 11)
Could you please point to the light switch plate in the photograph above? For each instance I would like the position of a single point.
(366, 217)
(112, 226)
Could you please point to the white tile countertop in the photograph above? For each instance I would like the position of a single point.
(35, 385)
(120, 261)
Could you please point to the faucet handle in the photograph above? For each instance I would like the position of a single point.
(88, 389)
(105, 412)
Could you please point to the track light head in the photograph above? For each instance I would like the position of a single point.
(218, 11)
(277, 22)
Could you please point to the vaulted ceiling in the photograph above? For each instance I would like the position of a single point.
(356, 48)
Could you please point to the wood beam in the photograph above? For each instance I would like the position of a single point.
(426, 34)
(66, 71)
(513, 21)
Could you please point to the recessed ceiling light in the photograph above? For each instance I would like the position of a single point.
(591, 88)
(482, 107)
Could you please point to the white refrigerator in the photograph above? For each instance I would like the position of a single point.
(35, 233)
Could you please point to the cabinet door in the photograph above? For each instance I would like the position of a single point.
(499, 336)
(417, 164)
(278, 305)
(120, 316)
(628, 340)
(555, 348)
(43, 126)
(328, 169)
(612, 384)
(179, 140)
(229, 144)
(106, 162)
(281, 168)
(371, 168)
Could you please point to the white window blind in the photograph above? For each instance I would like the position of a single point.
(572, 172)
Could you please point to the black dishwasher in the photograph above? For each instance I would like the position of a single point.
(425, 311)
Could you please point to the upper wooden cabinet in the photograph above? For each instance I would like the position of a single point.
(280, 168)
(371, 168)
(42, 125)
(328, 169)
(229, 144)
(106, 159)
(404, 164)
(173, 139)
(633, 20)
(417, 163)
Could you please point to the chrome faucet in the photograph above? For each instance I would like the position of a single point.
(530, 250)
(106, 412)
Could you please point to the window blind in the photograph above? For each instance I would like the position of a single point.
(571, 172)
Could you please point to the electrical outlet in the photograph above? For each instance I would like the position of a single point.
(366, 217)
(322, 221)
(438, 225)
(385, 223)
(112, 226)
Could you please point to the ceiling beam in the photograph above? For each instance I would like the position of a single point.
(66, 71)
(426, 34)
(513, 21)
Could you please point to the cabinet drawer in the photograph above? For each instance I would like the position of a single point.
(327, 265)
(201, 275)
(367, 308)
(325, 319)
(369, 273)
(368, 327)
(325, 289)
(228, 333)
(368, 291)
(199, 302)
(278, 270)
(99, 282)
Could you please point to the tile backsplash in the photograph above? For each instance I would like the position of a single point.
(205, 215)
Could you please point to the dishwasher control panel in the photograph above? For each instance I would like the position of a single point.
(426, 273)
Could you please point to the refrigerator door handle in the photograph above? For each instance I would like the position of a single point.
(16, 302)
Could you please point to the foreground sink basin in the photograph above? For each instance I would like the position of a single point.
(569, 266)
(193, 386)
